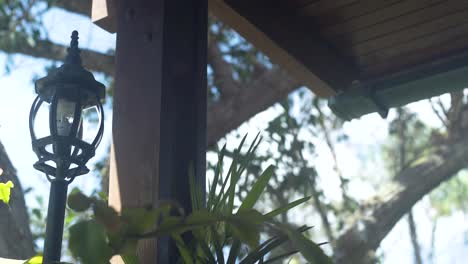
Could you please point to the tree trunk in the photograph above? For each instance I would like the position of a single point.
(414, 238)
(15, 239)
(358, 243)
(432, 249)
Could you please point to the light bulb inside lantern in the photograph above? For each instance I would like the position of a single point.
(65, 115)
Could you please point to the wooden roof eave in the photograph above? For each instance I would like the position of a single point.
(444, 75)
(278, 55)
(103, 14)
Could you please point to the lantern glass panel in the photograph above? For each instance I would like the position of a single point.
(91, 127)
(41, 124)
(65, 116)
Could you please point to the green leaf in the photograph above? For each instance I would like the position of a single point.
(107, 216)
(257, 189)
(5, 190)
(78, 202)
(217, 246)
(34, 260)
(88, 242)
(130, 259)
(220, 199)
(245, 225)
(129, 247)
(268, 246)
(225, 200)
(234, 252)
(170, 225)
(178, 225)
(183, 249)
(280, 257)
(286, 207)
(196, 194)
(249, 155)
(217, 177)
(203, 217)
(242, 161)
(205, 251)
(140, 220)
(309, 250)
(230, 193)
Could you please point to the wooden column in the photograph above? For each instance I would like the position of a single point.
(159, 123)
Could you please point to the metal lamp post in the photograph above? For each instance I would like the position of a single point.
(63, 152)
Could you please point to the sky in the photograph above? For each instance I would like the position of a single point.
(17, 95)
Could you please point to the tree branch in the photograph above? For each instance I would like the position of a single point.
(222, 71)
(348, 202)
(323, 214)
(82, 7)
(224, 116)
(360, 241)
(92, 60)
(266, 90)
(16, 240)
(414, 239)
(436, 111)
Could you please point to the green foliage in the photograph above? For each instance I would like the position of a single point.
(408, 141)
(5, 190)
(21, 24)
(88, 242)
(37, 219)
(311, 251)
(244, 59)
(78, 201)
(215, 225)
(451, 196)
(34, 260)
(246, 223)
(302, 121)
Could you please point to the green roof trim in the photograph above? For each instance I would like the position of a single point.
(365, 99)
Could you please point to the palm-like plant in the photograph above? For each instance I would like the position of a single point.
(217, 230)
(222, 242)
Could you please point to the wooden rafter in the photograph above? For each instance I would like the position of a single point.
(317, 65)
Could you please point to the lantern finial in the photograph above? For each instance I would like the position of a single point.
(73, 56)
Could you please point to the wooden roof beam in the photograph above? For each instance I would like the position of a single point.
(289, 42)
(103, 14)
(308, 56)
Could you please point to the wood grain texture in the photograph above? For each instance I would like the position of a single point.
(319, 7)
(159, 117)
(136, 111)
(404, 28)
(391, 11)
(443, 39)
(343, 13)
(426, 56)
(267, 45)
(301, 41)
(136, 114)
(183, 107)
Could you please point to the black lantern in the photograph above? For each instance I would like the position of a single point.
(63, 153)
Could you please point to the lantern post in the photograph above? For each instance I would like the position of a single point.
(63, 152)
